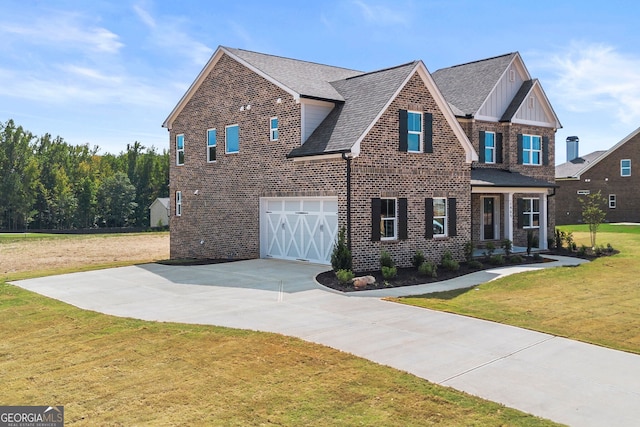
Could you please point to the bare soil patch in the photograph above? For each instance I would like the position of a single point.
(70, 251)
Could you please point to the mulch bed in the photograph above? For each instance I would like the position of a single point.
(410, 276)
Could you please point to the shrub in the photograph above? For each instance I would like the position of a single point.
(560, 235)
(609, 248)
(344, 276)
(341, 255)
(474, 263)
(582, 251)
(428, 268)
(389, 272)
(569, 239)
(489, 249)
(507, 246)
(516, 259)
(418, 259)
(537, 256)
(468, 251)
(386, 260)
(448, 262)
(599, 250)
(551, 242)
(496, 260)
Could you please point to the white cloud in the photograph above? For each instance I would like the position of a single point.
(597, 77)
(380, 14)
(167, 34)
(62, 31)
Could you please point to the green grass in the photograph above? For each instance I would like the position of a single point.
(115, 371)
(597, 302)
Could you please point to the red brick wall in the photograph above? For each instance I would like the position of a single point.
(222, 220)
(605, 177)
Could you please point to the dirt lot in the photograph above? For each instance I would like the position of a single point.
(50, 254)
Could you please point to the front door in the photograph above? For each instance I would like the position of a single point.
(488, 218)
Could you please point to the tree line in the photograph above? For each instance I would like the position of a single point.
(46, 183)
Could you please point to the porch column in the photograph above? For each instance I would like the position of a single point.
(508, 215)
(542, 244)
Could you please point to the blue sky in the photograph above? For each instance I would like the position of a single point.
(108, 73)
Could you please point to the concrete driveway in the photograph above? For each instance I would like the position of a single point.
(556, 378)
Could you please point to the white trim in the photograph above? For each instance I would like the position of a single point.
(178, 151)
(506, 190)
(395, 220)
(613, 201)
(272, 129)
(226, 149)
(531, 212)
(217, 55)
(420, 134)
(178, 203)
(622, 167)
(215, 145)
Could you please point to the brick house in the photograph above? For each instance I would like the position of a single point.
(609, 172)
(270, 156)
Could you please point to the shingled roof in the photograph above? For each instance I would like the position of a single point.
(489, 177)
(467, 86)
(365, 97)
(308, 79)
(575, 167)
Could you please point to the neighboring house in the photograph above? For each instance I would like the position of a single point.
(611, 173)
(271, 156)
(159, 212)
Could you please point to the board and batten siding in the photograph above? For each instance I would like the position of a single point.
(502, 95)
(313, 113)
(532, 110)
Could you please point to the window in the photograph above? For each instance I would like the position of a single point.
(388, 219)
(178, 203)
(232, 139)
(439, 217)
(583, 192)
(211, 145)
(414, 132)
(530, 213)
(273, 131)
(531, 150)
(180, 149)
(625, 167)
(489, 147)
(612, 201)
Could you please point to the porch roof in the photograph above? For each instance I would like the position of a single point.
(486, 177)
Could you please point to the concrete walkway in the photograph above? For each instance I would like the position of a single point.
(556, 378)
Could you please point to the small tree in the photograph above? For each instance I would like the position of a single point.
(592, 213)
(341, 255)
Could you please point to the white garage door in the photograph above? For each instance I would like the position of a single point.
(298, 228)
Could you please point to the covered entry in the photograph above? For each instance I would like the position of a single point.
(298, 228)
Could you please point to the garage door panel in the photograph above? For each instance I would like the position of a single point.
(304, 228)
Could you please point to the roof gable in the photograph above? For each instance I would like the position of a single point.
(575, 167)
(467, 86)
(531, 106)
(299, 78)
(367, 97)
(597, 159)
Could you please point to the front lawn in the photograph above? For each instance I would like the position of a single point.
(597, 302)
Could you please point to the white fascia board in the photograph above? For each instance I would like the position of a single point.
(422, 71)
(205, 72)
(333, 156)
(547, 105)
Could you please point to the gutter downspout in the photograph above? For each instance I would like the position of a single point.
(348, 159)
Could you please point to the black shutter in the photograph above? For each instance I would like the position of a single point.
(498, 148)
(427, 132)
(519, 148)
(482, 146)
(428, 218)
(453, 228)
(402, 219)
(520, 213)
(376, 205)
(403, 131)
(545, 150)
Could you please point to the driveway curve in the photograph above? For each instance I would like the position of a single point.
(563, 380)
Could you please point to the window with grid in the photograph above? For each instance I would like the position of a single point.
(625, 167)
(531, 150)
(414, 131)
(180, 149)
(388, 219)
(211, 145)
(273, 129)
(531, 213)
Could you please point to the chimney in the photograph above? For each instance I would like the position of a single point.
(572, 148)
